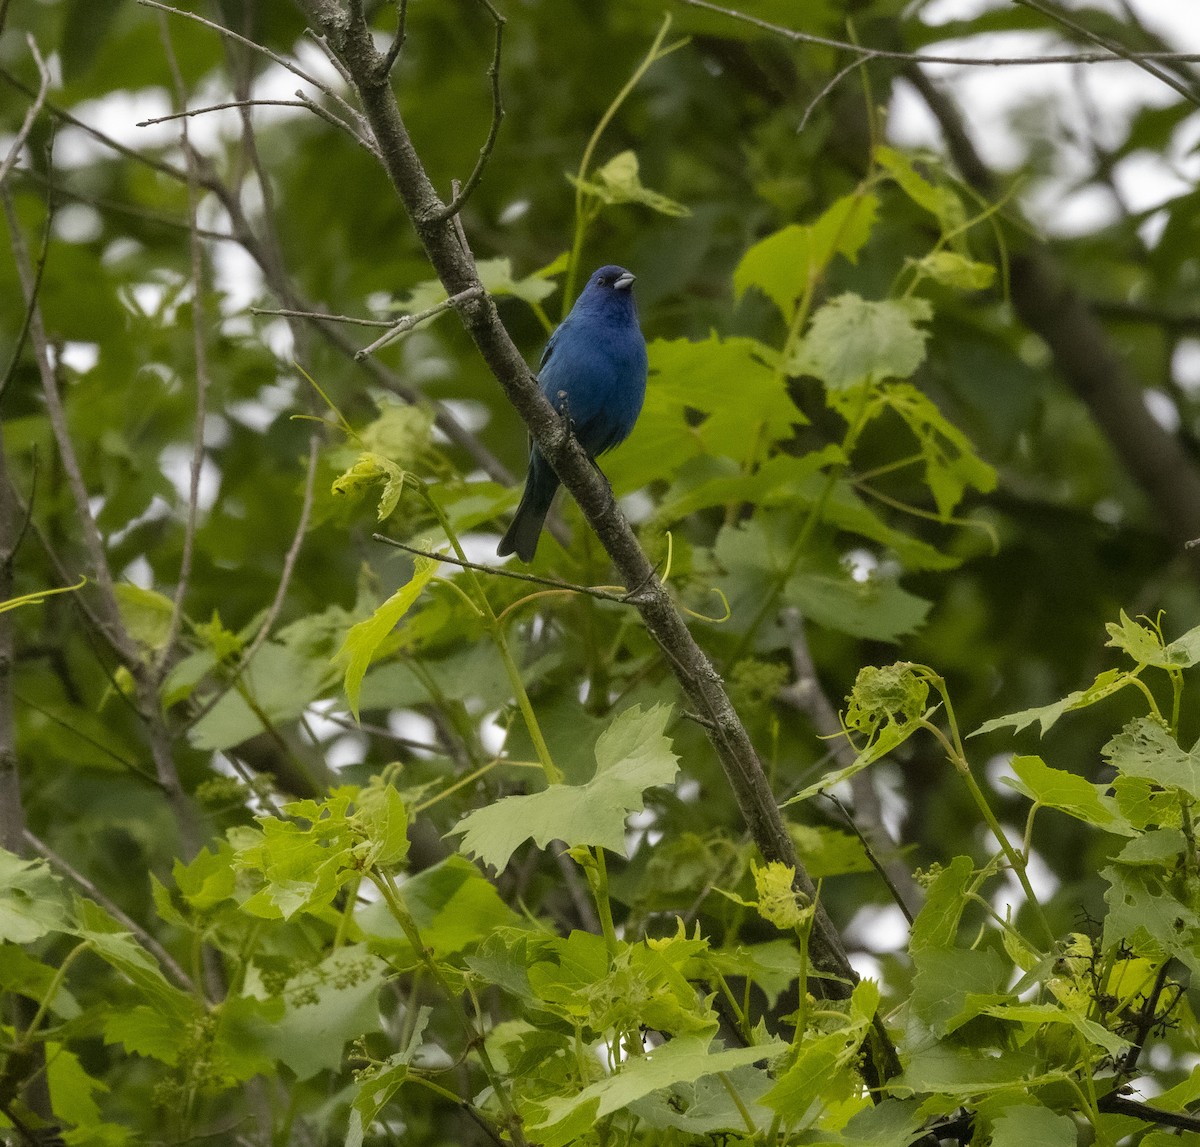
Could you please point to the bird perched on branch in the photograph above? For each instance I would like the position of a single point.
(593, 372)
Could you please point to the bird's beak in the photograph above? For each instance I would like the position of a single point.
(624, 282)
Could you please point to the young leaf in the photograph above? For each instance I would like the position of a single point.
(326, 1005)
(784, 264)
(31, 903)
(632, 755)
(365, 638)
(854, 341)
(954, 270)
(1144, 748)
(618, 182)
(560, 1120)
(1106, 684)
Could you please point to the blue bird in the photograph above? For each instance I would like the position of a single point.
(593, 372)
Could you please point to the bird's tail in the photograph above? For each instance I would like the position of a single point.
(522, 535)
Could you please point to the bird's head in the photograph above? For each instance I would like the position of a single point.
(611, 278)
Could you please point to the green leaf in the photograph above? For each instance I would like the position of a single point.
(632, 755)
(22, 975)
(497, 278)
(145, 1031)
(301, 866)
(369, 470)
(953, 985)
(1026, 1124)
(107, 939)
(31, 901)
(824, 1058)
(963, 1072)
(383, 818)
(556, 1122)
(145, 614)
(949, 458)
(936, 925)
(1106, 684)
(875, 608)
(853, 341)
(1144, 644)
(618, 182)
(687, 377)
(954, 270)
(1146, 913)
(453, 905)
(1056, 788)
(784, 264)
(326, 1005)
(402, 434)
(941, 202)
(378, 1083)
(1144, 748)
(1038, 1015)
(365, 638)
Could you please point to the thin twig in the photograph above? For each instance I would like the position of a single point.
(31, 113)
(56, 414)
(1118, 49)
(169, 963)
(1117, 1104)
(285, 578)
(501, 571)
(400, 326)
(31, 300)
(461, 196)
(397, 45)
(282, 61)
(806, 695)
(322, 316)
(339, 123)
(189, 112)
(200, 353)
(922, 58)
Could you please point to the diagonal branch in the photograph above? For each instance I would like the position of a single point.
(1053, 308)
(352, 40)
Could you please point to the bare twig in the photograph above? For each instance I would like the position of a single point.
(462, 195)
(282, 61)
(187, 113)
(285, 579)
(806, 695)
(31, 113)
(400, 326)
(1117, 1104)
(1109, 57)
(625, 598)
(113, 909)
(278, 282)
(323, 316)
(397, 44)
(92, 541)
(200, 353)
(1146, 64)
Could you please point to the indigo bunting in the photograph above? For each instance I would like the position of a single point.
(593, 372)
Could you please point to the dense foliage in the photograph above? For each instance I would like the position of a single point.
(312, 838)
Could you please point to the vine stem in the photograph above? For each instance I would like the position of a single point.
(553, 773)
(581, 218)
(391, 895)
(957, 756)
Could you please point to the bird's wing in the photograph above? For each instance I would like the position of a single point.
(550, 344)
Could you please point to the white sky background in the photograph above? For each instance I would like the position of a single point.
(1091, 100)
